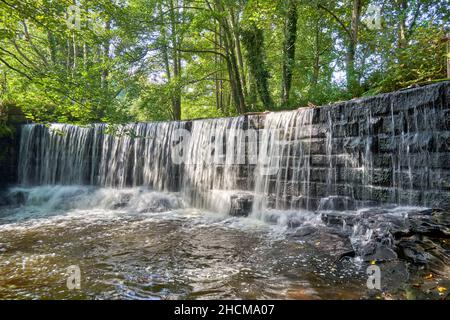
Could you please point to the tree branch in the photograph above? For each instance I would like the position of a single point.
(337, 19)
(16, 70)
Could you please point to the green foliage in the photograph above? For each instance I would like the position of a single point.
(423, 60)
(6, 130)
(142, 60)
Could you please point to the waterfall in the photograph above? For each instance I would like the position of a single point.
(133, 155)
(283, 170)
(214, 155)
(340, 157)
(217, 155)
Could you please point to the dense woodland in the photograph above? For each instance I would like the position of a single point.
(82, 61)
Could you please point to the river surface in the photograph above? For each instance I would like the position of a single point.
(140, 244)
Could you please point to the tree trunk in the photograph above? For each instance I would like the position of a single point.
(105, 72)
(232, 63)
(448, 55)
(254, 42)
(352, 79)
(290, 37)
(235, 76)
(403, 7)
(316, 65)
(176, 62)
(52, 47)
(237, 41)
(218, 60)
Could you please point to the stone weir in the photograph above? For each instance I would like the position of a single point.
(390, 148)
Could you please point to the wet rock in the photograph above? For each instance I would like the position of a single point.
(424, 212)
(394, 275)
(294, 222)
(158, 205)
(241, 204)
(16, 198)
(3, 199)
(337, 203)
(119, 205)
(304, 231)
(421, 250)
(122, 202)
(349, 254)
(377, 252)
(338, 218)
(413, 255)
(336, 244)
(429, 227)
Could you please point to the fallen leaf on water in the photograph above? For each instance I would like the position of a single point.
(442, 289)
(428, 277)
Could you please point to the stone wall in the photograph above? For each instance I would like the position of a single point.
(8, 158)
(391, 148)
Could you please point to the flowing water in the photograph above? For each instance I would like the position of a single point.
(144, 212)
(140, 244)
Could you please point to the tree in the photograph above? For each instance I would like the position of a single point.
(88, 61)
(290, 38)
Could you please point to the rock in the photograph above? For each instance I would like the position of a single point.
(423, 251)
(412, 254)
(338, 218)
(394, 275)
(119, 205)
(15, 198)
(350, 254)
(3, 199)
(294, 222)
(304, 231)
(337, 203)
(429, 227)
(377, 252)
(241, 204)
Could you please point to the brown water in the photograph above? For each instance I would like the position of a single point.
(125, 252)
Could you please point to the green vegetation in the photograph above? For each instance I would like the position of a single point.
(6, 130)
(83, 61)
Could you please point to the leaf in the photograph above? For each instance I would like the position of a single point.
(429, 277)
(441, 289)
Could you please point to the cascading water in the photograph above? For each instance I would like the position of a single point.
(134, 155)
(309, 158)
(150, 208)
